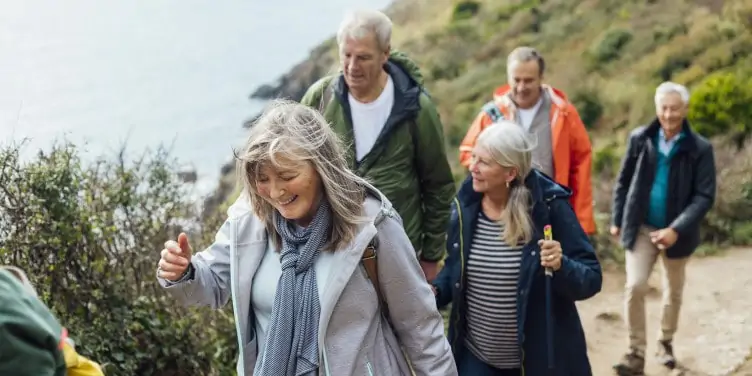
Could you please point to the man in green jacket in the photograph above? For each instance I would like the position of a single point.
(30, 337)
(377, 104)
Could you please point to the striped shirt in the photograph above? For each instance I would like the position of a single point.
(493, 268)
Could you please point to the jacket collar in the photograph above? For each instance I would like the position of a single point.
(406, 90)
(689, 139)
(558, 98)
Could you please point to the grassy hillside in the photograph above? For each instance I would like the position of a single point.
(607, 55)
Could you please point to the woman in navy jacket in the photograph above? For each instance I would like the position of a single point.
(494, 275)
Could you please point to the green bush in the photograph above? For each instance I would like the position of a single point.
(506, 12)
(729, 220)
(722, 104)
(89, 236)
(673, 64)
(608, 47)
(606, 161)
(588, 106)
(465, 9)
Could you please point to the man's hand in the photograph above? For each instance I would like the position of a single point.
(615, 231)
(430, 269)
(664, 238)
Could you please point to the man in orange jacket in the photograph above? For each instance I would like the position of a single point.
(564, 151)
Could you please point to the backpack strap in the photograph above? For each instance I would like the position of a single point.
(369, 264)
(327, 92)
(492, 110)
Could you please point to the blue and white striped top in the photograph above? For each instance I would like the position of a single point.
(493, 268)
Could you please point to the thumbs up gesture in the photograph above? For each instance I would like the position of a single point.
(176, 256)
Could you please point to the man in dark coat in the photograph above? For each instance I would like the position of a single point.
(665, 188)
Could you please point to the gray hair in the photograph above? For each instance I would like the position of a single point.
(525, 54)
(291, 131)
(511, 146)
(669, 87)
(358, 24)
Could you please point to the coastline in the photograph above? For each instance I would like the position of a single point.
(321, 61)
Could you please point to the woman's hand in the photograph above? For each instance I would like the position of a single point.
(550, 254)
(176, 256)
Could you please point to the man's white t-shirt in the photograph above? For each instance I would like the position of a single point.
(369, 119)
(527, 115)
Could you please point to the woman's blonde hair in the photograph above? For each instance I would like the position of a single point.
(511, 146)
(289, 131)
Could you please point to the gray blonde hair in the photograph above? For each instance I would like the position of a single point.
(669, 87)
(523, 55)
(511, 146)
(357, 24)
(299, 133)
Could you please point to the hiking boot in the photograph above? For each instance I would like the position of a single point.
(665, 354)
(632, 364)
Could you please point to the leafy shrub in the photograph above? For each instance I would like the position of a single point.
(664, 33)
(588, 106)
(739, 11)
(730, 220)
(89, 237)
(508, 11)
(673, 64)
(527, 21)
(608, 47)
(465, 9)
(721, 105)
(606, 161)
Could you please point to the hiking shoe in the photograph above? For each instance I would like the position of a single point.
(632, 364)
(665, 354)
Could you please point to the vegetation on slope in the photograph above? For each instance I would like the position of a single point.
(89, 237)
(608, 56)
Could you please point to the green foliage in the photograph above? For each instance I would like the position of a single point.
(729, 220)
(89, 237)
(722, 104)
(610, 44)
(508, 11)
(664, 33)
(465, 9)
(606, 161)
(588, 106)
(609, 66)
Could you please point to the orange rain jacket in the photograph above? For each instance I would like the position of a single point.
(572, 151)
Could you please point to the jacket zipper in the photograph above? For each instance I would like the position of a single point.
(522, 349)
(233, 293)
(369, 368)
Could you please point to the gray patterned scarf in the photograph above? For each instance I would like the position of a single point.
(292, 341)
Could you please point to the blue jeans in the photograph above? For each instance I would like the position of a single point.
(469, 365)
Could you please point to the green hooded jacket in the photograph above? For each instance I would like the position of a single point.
(408, 162)
(30, 336)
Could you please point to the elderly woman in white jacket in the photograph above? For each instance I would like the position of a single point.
(289, 258)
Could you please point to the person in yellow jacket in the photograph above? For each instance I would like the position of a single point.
(32, 341)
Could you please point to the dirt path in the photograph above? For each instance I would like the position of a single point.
(715, 328)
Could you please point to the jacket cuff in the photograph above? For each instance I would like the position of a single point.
(188, 275)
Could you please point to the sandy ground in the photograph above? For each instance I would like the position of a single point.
(715, 328)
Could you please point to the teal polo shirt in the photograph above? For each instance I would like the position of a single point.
(659, 191)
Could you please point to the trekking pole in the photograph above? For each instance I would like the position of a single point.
(548, 235)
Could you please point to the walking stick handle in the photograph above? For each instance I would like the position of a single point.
(548, 235)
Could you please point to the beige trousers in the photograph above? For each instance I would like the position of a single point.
(639, 266)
